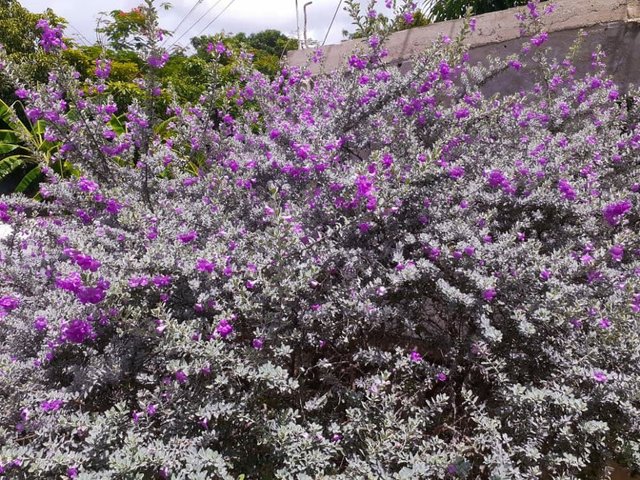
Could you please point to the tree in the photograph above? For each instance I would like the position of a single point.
(440, 10)
(19, 37)
(371, 22)
(268, 47)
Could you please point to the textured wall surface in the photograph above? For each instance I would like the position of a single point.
(614, 24)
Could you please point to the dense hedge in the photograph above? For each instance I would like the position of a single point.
(359, 275)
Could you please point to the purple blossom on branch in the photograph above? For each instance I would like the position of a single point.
(614, 211)
(51, 37)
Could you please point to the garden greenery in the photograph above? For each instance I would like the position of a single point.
(366, 274)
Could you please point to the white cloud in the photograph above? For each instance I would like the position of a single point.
(241, 16)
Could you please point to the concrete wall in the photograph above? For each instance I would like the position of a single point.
(614, 24)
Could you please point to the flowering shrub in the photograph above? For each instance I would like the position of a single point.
(364, 275)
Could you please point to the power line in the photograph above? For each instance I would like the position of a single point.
(195, 5)
(195, 23)
(217, 16)
(80, 35)
(284, 49)
(335, 14)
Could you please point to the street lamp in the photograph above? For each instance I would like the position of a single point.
(305, 22)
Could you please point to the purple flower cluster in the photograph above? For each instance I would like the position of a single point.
(85, 262)
(103, 68)
(85, 294)
(614, 211)
(51, 405)
(77, 331)
(9, 303)
(158, 61)
(51, 37)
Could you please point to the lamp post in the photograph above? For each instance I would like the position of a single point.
(305, 22)
(298, 26)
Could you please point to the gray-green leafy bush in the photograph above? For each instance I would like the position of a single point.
(370, 275)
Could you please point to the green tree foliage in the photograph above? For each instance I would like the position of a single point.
(451, 9)
(124, 30)
(372, 22)
(267, 47)
(19, 38)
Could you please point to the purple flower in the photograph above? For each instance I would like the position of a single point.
(188, 237)
(135, 282)
(257, 343)
(85, 217)
(489, 294)
(566, 189)
(113, 206)
(497, 179)
(85, 262)
(181, 377)
(268, 211)
(21, 93)
(545, 275)
(51, 37)
(415, 357)
(91, 295)
(72, 472)
(635, 303)
(462, 113)
(152, 408)
(103, 68)
(539, 39)
(599, 376)
(577, 323)
(70, 283)
(456, 172)
(604, 323)
(224, 328)
(617, 252)
(78, 331)
(40, 324)
(441, 377)
(51, 405)
(204, 265)
(516, 65)
(9, 303)
(155, 61)
(614, 211)
(161, 280)
(357, 63)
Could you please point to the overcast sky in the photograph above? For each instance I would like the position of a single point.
(241, 16)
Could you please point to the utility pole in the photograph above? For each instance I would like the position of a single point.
(298, 26)
(305, 22)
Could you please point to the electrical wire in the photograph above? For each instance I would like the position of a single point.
(284, 49)
(216, 17)
(195, 6)
(195, 23)
(80, 36)
(335, 14)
